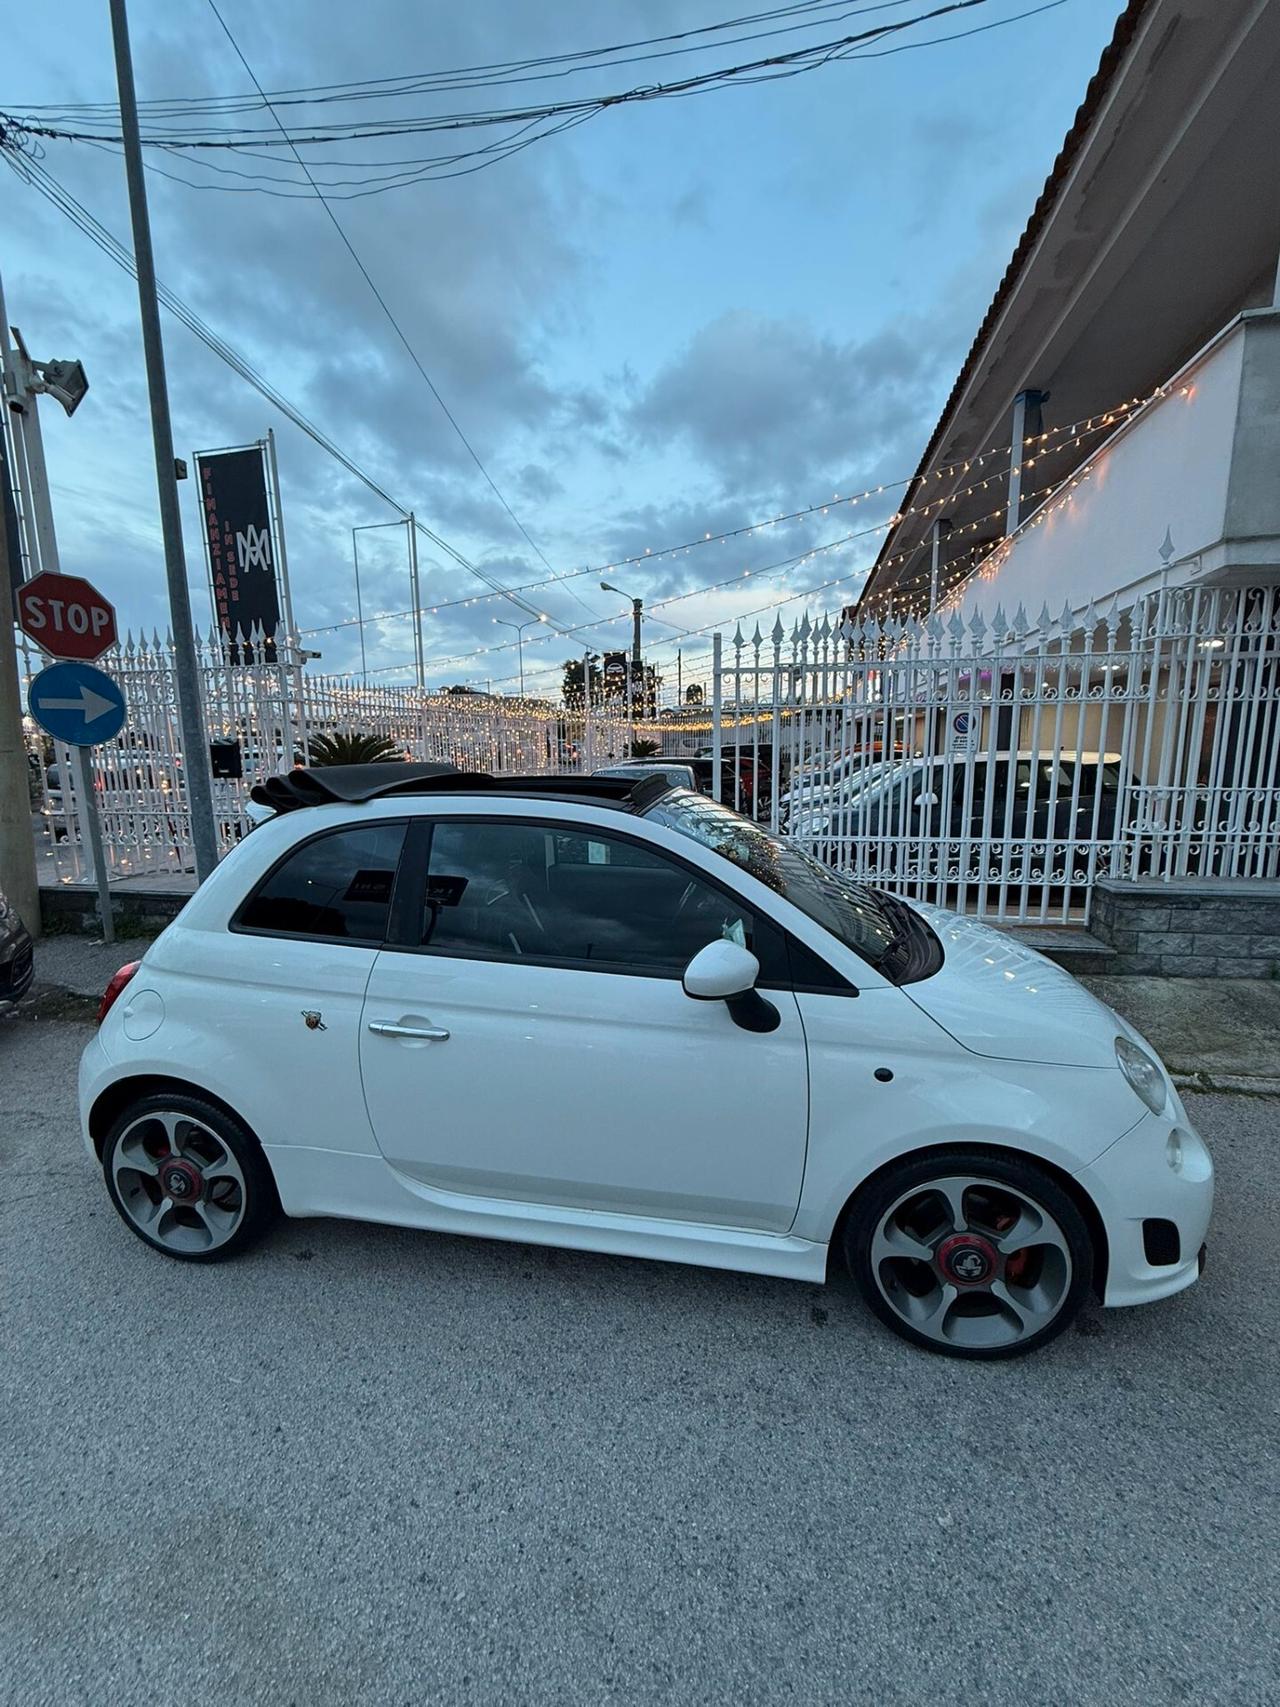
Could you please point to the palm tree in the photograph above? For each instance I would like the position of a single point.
(645, 749)
(346, 747)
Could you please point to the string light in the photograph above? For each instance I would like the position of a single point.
(1077, 430)
(1120, 414)
(787, 565)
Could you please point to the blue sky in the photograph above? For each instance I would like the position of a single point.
(679, 318)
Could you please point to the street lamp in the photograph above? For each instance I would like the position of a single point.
(637, 611)
(519, 627)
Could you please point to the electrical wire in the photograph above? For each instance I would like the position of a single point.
(38, 178)
(398, 330)
(863, 44)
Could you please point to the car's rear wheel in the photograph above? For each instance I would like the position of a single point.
(187, 1178)
(976, 1254)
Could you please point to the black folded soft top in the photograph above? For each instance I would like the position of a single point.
(323, 785)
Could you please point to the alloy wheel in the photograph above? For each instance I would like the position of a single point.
(972, 1263)
(178, 1182)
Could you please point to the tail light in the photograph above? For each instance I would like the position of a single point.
(113, 989)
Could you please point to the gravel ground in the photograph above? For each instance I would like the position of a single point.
(364, 1465)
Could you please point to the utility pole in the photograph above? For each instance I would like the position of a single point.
(195, 755)
(415, 591)
(18, 881)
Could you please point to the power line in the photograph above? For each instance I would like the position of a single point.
(809, 14)
(550, 116)
(394, 323)
(35, 175)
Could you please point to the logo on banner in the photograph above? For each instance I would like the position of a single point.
(253, 549)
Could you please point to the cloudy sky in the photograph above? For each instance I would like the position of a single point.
(678, 318)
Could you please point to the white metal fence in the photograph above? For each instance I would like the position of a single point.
(1002, 768)
(261, 717)
(999, 768)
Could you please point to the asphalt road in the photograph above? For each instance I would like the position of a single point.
(365, 1465)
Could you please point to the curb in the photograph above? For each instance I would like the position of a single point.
(1238, 1084)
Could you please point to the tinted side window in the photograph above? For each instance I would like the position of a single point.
(338, 885)
(521, 892)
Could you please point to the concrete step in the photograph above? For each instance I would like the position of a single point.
(1070, 946)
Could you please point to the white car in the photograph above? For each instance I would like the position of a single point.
(835, 780)
(618, 1017)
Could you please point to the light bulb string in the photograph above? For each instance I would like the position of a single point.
(782, 567)
(1077, 430)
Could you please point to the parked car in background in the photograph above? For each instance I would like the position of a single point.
(752, 763)
(737, 777)
(677, 774)
(964, 813)
(17, 960)
(817, 784)
(415, 1000)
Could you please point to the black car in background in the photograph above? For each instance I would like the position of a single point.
(16, 959)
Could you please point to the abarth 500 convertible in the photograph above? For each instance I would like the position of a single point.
(612, 1014)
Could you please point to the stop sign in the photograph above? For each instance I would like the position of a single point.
(68, 617)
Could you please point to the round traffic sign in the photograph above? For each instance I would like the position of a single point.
(67, 616)
(77, 704)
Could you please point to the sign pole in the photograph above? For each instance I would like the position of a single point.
(80, 706)
(82, 769)
(293, 660)
(199, 784)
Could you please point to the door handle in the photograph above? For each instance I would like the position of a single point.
(429, 1033)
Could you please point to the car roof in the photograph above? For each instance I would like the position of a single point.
(327, 785)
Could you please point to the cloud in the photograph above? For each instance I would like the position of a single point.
(769, 402)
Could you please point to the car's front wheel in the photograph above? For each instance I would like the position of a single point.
(977, 1254)
(187, 1178)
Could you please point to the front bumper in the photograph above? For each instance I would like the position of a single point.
(1132, 1182)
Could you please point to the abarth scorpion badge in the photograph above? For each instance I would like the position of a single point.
(313, 1019)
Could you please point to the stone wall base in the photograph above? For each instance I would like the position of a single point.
(67, 909)
(1190, 927)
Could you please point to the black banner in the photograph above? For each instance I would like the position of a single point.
(241, 547)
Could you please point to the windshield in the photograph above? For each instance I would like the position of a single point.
(855, 915)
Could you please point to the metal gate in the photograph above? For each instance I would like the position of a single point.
(1000, 768)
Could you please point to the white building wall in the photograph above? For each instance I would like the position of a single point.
(1166, 472)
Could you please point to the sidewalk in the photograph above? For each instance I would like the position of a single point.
(1212, 1033)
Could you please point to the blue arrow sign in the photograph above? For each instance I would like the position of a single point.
(76, 704)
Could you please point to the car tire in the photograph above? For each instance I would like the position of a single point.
(188, 1178)
(976, 1254)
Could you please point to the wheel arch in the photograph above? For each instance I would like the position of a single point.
(112, 1101)
(1061, 1178)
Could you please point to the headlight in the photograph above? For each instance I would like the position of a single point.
(1143, 1073)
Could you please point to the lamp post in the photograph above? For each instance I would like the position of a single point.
(373, 527)
(519, 627)
(637, 612)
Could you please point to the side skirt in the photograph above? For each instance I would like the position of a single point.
(364, 1188)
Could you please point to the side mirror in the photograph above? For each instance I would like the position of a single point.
(922, 800)
(726, 972)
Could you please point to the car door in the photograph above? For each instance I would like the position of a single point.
(288, 977)
(527, 1038)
